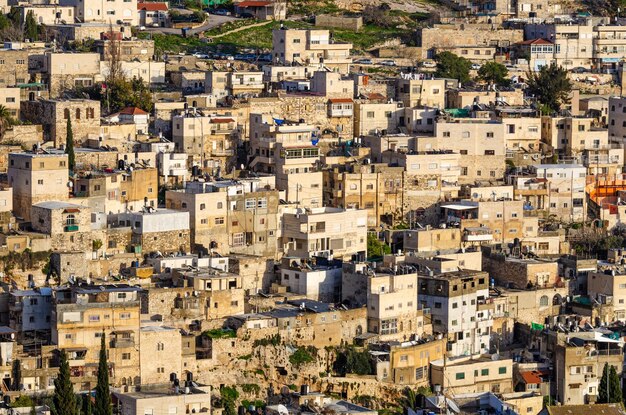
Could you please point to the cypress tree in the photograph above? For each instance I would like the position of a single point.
(103, 395)
(64, 400)
(87, 404)
(609, 390)
(31, 31)
(69, 146)
(615, 387)
(17, 374)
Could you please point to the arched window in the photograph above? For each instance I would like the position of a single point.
(66, 113)
(543, 301)
(70, 219)
(78, 113)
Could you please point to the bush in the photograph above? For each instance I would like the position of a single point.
(268, 341)
(302, 356)
(220, 334)
(351, 360)
(251, 388)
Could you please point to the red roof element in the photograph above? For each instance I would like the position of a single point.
(221, 120)
(253, 3)
(340, 100)
(133, 111)
(535, 42)
(534, 376)
(152, 6)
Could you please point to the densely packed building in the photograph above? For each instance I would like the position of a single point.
(313, 229)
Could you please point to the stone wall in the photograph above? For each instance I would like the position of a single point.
(340, 22)
(164, 242)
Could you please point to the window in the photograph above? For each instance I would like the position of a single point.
(490, 152)
(484, 372)
(220, 205)
(262, 203)
(125, 356)
(250, 204)
(124, 316)
(202, 206)
(94, 319)
(238, 239)
(446, 133)
(502, 370)
(489, 135)
(370, 114)
(460, 376)
(543, 301)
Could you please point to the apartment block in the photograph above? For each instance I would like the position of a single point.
(67, 224)
(231, 216)
(311, 46)
(460, 309)
(316, 278)
(473, 374)
(573, 43)
(63, 71)
(37, 178)
(13, 67)
(566, 189)
(416, 92)
(328, 232)
(82, 315)
(123, 12)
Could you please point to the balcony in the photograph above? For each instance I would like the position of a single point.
(70, 228)
(477, 235)
(122, 343)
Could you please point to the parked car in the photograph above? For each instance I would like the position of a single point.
(200, 55)
(246, 15)
(142, 28)
(388, 62)
(579, 69)
(363, 61)
(220, 12)
(476, 66)
(429, 64)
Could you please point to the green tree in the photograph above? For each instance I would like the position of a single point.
(69, 146)
(494, 73)
(408, 400)
(229, 396)
(103, 395)
(6, 120)
(550, 86)
(64, 400)
(610, 390)
(31, 30)
(375, 248)
(351, 360)
(452, 66)
(22, 401)
(16, 374)
(87, 404)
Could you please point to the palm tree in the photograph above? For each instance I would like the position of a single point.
(408, 399)
(5, 120)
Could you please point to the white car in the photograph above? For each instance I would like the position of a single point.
(388, 62)
(476, 66)
(429, 64)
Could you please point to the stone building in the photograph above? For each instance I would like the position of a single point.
(316, 279)
(220, 292)
(420, 92)
(122, 12)
(129, 50)
(231, 216)
(160, 353)
(68, 225)
(392, 309)
(153, 398)
(82, 315)
(212, 137)
(161, 230)
(60, 75)
(407, 363)
(516, 272)
(311, 46)
(327, 232)
(53, 114)
(13, 67)
(37, 178)
(10, 99)
(473, 374)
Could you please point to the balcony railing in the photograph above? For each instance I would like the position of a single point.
(70, 228)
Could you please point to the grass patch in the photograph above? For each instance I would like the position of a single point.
(220, 334)
(256, 37)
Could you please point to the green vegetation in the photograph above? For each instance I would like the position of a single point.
(245, 357)
(229, 396)
(258, 403)
(260, 372)
(352, 360)
(6, 120)
(16, 375)
(376, 248)
(268, 341)
(251, 388)
(64, 400)
(452, 66)
(23, 401)
(220, 334)
(69, 145)
(26, 259)
(610, 390)
(103, 395)
(303, 356)
(195, 17)
(31, 30)
(550, 86)
(308, 7)
(494, 73)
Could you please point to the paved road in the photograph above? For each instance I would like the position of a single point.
(213, 21)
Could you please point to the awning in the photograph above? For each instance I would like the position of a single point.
(71, 210)
(459, 207)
